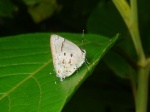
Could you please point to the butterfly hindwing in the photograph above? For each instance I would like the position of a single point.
(67, 57)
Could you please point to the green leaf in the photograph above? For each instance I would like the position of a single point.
(27, 78)
(121, 67)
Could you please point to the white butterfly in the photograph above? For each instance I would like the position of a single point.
(67, 57)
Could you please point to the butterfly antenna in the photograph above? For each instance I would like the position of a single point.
(82, 39)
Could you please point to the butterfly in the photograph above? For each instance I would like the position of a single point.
(67, 56)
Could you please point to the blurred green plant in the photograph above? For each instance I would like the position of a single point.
(6, 8)
(41, 9)
(38, 9)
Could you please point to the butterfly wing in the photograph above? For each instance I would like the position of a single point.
(67, 57)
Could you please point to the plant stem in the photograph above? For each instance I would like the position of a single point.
(142, 92)
(133, 85)
(124, 10)
(130, 16)
(143, 73)
(135, 33)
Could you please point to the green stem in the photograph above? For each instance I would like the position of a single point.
(133, 85)
(135, 33)
(124, 10)
(130, 16)
(142, 92)
(143, 73)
